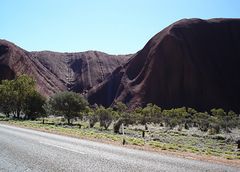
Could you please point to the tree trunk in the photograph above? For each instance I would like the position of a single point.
(143, 133)
(238, 144)
(68, 121)
(146, 127)
(123, 141)
(105, 127)
(117, 125)
(91, 124)
(43, 121)
(18, 114)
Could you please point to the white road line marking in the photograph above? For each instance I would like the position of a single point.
(61, 147)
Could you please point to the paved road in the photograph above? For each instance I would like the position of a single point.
(27, 150)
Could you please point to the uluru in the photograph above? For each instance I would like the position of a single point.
(193, 63)
(55, 72)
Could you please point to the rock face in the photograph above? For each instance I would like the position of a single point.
(56, 72)
(193, 63)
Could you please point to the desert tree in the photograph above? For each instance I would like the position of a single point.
(33, 107)
(105, 116)
(6, 97)
(68, 104)
(13, 94)
(92, 116)
(202, 120)
(120, 115)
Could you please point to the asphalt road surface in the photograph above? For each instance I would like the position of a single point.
(27, 150)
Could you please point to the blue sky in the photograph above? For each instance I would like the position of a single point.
(111, 26)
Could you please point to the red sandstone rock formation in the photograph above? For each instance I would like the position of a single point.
(56, 72)
(193, 62)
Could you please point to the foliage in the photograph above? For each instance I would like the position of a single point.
(105, 116)
(6, 97)
(225, 120)
(68, 104)
(34, 106)
(14, 94)
(151, 113)
(202, 120)
(92, 116)
(120, 115)
(48, 109)
(178, 116)
(19, 96)
(119, 107)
